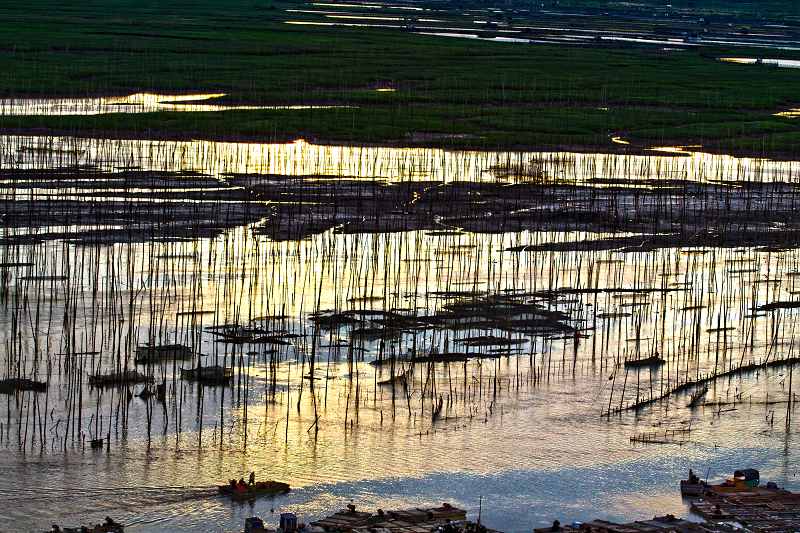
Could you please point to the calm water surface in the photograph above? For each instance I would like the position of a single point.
(523, 433)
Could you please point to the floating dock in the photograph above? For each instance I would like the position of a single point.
(405, 521)
(444, 519)
(659, 524)
(763, 509)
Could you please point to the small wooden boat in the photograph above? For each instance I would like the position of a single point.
(12, 385)
(210, 375)
(260, 489)
(744, 480)
(108, 526)
(653, 360)
(693, 486)
(165, 352)
(128, 377)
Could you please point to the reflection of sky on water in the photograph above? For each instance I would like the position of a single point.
(134, 103)
(533, 451)
(566, 34)
(394, 163)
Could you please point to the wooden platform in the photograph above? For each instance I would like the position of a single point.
(418, 520)
(761, 509)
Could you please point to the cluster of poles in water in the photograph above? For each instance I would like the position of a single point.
(227, 339)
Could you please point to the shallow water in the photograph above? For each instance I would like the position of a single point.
(523, 433)
(372, 16)
(302, 158)
(133, 103)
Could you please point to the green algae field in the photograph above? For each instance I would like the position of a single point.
(439, 91)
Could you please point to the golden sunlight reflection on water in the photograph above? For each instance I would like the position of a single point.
(132, 103)
(391, 163)
(523, 430)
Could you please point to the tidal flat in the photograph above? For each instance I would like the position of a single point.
(536, 263)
